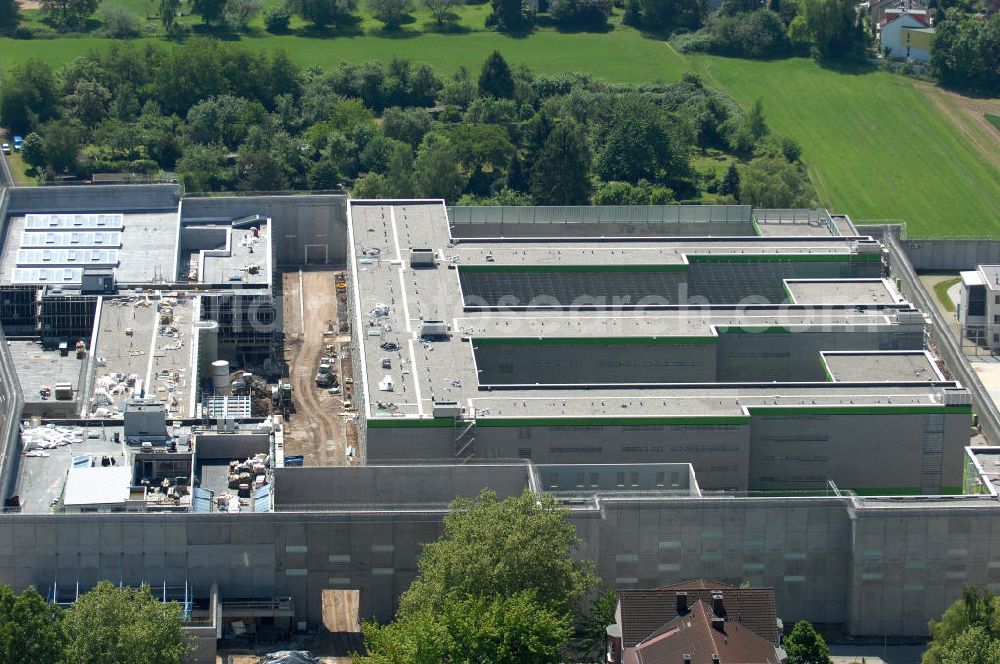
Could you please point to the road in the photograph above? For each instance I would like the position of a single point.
(6, 178)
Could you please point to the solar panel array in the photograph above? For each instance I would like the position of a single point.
(56, 247)
(111, 239)
(103, 222)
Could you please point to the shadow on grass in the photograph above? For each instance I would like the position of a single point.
(448, 27)
(220, 32)
(349, 26)
(579, 28)
(850, 66)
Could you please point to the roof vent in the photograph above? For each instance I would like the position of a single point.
(421, 257)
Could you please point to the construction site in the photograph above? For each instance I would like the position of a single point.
(264, 405)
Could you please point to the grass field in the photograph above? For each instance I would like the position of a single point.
(877, 146)
(994, 120)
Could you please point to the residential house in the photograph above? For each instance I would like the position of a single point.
(696, 622)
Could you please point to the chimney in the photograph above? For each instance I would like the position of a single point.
(717, 607)
(719, 625)
(687, 658)
(682, 603)
(715, 659)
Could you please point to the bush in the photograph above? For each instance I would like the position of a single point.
(759, 34)
(702, 41)
(276, 19)
(581, 12)
(120, 23)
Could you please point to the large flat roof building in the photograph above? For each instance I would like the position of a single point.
(768, 361)
(713, 392)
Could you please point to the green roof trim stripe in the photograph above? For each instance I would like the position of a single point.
(594, 341)
(861, 410)
(581, 269)
(886, 491)
(784, 258)
(760, 329)
(409, 423)
(610, 421)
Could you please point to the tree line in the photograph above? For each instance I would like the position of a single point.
(106, 624)
(223, 118)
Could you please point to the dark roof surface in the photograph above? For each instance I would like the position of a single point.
(645, 611)
(693, 634)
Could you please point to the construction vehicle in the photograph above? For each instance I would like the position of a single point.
(281, 399)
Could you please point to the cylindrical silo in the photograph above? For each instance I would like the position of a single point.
(220, 376)
(208, 345)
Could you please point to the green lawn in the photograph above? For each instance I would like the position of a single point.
(941, 291)
(994, 120)
(876, 146)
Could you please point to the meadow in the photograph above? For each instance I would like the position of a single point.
(877, 146)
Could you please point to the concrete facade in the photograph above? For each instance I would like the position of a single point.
(710, 455)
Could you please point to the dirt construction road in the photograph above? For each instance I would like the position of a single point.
(316, 429)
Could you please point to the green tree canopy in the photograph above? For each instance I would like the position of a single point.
(833, 25)
(436, 169)
(495, 78)
(390, 12)
(499, 586)
(773, 182)
(125, 626)
(969, 630)
(10, 15)
(497, 548)
(560, 174)
(805, 646)
(639, 142)
(28, 96)
(30, 628)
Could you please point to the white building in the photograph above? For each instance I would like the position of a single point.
(908, 36)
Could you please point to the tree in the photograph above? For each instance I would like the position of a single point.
(125, 626)
(969, 630)
(408, 125)
(561, 173)
(442, 10)
(30, 628)
(666, 15)
(323, 13)
(89, 102)
(805, 646)
(593, 633)
(119, 22)
(436, 169)
(390, 12)
(237, 14)
(507, 15)
(68, 14)
(209, 10)
(203, 168)
(63, 139)
(168, 14)
(10, 15)
(495, 78)
(730, 185)
(580, 12)
(501, 630)
(966, 51)
(638, 142)
(773, 182)
(33, 150)
(633, 13)
(499, 548)
(499, 586)
(277, 19)
(832, 26)
(323, 175)
(28, 96)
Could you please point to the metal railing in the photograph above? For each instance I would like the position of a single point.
(940, 334)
